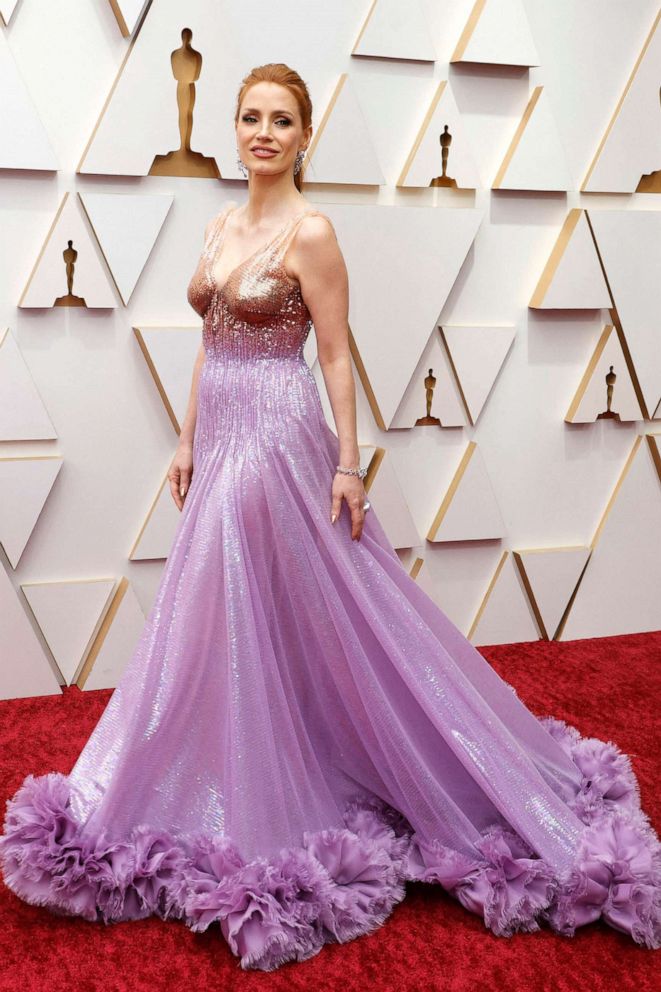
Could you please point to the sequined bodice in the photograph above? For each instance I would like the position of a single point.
(259, 311)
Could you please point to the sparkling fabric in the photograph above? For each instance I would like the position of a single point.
(300, 729)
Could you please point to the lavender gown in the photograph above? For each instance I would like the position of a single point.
(300, 729)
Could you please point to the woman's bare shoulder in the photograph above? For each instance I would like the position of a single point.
(217, 219)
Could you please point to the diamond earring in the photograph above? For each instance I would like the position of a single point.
(241, 163)
(299, 161)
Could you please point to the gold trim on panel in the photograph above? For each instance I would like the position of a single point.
(367, 386)
(138, 27)
(615, 317)
(554, 259)
(451, 491)
(374, 465)
(591, 368)
(455, 374)
(106, 623)
(62, 582)
(523, 123)
(43, 247)
(485, 599)
(653, 446)
(422, 131)
(655, 454)
(613, 496)
(565, 616)
(143, 528)
(519, 559)
(415, 568)
(325, 118)
(616, 112)
(364, 27)
(157, 379)
(100, 246)
(465, 37)
(516, 555)
(117, 11)
(589, 372)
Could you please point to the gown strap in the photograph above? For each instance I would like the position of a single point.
(290, 232)
(216, 223)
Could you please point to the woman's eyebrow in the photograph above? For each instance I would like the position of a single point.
(254, 110)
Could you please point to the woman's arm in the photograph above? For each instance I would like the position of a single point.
(187, 432)
(180, 471)
(317, 262)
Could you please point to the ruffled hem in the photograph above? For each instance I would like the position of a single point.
(343, 882)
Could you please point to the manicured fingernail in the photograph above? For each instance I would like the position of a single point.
(182, 492)
(333, 518)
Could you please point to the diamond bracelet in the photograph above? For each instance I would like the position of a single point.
(360, 472)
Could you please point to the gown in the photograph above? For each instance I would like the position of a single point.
(301, 730)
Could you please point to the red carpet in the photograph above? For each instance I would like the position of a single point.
(607, 687)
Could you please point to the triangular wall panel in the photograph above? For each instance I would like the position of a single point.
(497, 33)
(396, 297)
(48, 283)
(384, 490)
(535, 159)
(170, 353)
(424, 163)
(446, 400)
(23, 416)
(158, 530)
(24, 668)
(477, 355)
(550, 576)
(607, 368)
(629, 155)
(572, 278)
(629, 243)
(24, 142)
(128, 13)
(619, 592)
(25, 483)
(127, 226)
(68, 614)
(395, 30)
(469, 510)
(117, 640)
(505, 615)
(341, 150)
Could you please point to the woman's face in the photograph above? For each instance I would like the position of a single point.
(269, 118)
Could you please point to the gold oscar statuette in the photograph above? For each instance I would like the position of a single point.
(609, 414)
(186, 68)
(444, 180)
(70, 255)
(428, 420)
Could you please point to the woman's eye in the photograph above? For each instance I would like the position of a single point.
(248, 118)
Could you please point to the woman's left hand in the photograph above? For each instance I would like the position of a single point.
(351, 488)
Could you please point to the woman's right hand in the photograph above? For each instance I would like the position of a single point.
(180, 473)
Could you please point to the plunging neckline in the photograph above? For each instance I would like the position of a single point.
(217, 254)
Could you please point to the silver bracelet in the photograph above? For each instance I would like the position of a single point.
(360, 472)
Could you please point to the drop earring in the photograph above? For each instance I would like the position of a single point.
(241, 164)
(299, 161)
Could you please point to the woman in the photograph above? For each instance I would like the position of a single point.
(301, 730)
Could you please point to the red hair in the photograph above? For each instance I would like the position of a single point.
(278, 72)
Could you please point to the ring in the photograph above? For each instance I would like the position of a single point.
(366, 505)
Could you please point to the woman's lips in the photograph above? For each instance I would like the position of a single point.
(263, 153)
